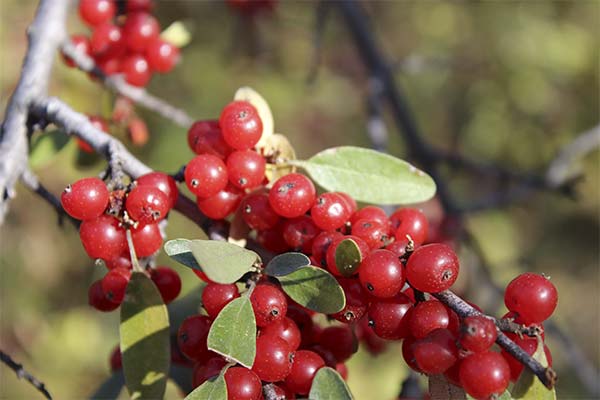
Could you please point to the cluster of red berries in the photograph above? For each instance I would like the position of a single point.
(106, 215)
(127, 43)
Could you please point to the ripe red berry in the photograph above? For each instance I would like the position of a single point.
(81, 44)
(107, 41)
(139, 5)
(340, 340)
(241, 125)
(102, 237)
(533, 297)
(371, 213)
(85, 199)
(321, 244)
(242, 384)
(273, 360)
(285, 329)
(191, 337)
(269, 304)
(484, 374)
(115, 283)
(215, 296)
(408, 353)
(330, 211)
(477, 333)
(412, 222)
(257, 212)
(136, 70)
(374, 233)
(98, 300)
(398, 247)
(436, 352)
(116, 361)
(203, 371)
(221, 204)
(147, 204)
(162, 56)
(146, 240)
(206, 175)
(432, 268)
(109, 64)
(272, 239)
(389, 318)
(140, 29)
(246, 169)
(357, 300)
(96, 12)
(304, 368)
(426, 317)
(381, 273)
(345, 270)
(162, 182)
(167, 281)
(299, 233)
(204, 137)
(350, 202)
(118, 262)
(292, 195)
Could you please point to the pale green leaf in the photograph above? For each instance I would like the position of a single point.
(369, 176)
(176, 34)
(180, 251)
(347, 257)
(329, 385)
(528, 386)
(145, 344)
(286, 263)
(233, 332)
(223, 262)
(314, 288)
(213, 389)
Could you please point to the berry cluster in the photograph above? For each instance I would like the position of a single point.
(128, 44)
(106, 215)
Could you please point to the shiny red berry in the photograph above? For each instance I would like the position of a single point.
(115, 283)
(357, 301)
(215, 296)
(136, 70)
(532, 296)
(162, 182)
(203, 371)
(147, 204)
(241, 125)
(204, 137)
(436, 352)
(96, 12)
(381, 273)
(102, 237)
(374, 233)
(272, 239)
(146, 240)
(408, 353)
(167, 281)
(269, 304)
(99, 300)
(370, 213)
(330, 211)
(191, 337)
(161, 55)
(246, 169)
(428, 316)
(140, 29)
(206, 175)
(242, 384)
(432, 268)
(107, 41)
(484, 374)
(116, 361)
(477, 333)
(389, 318)
(321, 244)
(85, 199)
(221, 204)
(412, 222)
(273, 360)
(304, 368)
(257, 212)
(340, 340)
(285, 329)
(292, 195)
(299, 233)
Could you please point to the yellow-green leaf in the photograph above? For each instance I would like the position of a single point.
(176, 34)
(314, 288)
(213, 389)
(223, 262)
(145, 345)
(329, 385)
(528, 386)
(347, 257)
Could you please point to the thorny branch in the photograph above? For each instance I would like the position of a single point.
(23, 374)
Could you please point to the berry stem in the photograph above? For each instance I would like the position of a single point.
(546, 375)
(23, 374)
(134, 259)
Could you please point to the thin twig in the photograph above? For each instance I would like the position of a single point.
(23, 374)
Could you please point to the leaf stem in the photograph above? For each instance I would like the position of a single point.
(134, 260)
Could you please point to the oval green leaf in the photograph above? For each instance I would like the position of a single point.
(329, 385)
(369, 176)
(145, 345)
(223, 262)
(528, 386)
(286, 263)
(213, 389)
(314, 288)
(347, 257)
(180, 251)
(110, 388)
(233, 333)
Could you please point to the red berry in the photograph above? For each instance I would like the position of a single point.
(202, 276)
(257, 212)
(107, 41)
(432, 268)
(530, 346)
(299, 233)
(374, 233)
(389, 317)
(215, 296)
(147, 204)
(398, 247)
(340, 340)
(140, 29)
(81, 44)
(412, 222)
(96, 12)
(109, 64)
(206, 175)
(136, 69)
(168, 283)
(292, 195)
(345, 270)
(436, 352)
(246, 169)
(203, 371)
(350, 202)
(98, 300)
(85, 199)
(321, 244)
(146, 240)
(191, 337)
(138, 5)
(221, 204)
(357, 301)
(371, 213)
(102, 237)
(273, 360)
(162, 56)
(305, 366)
(242, 384)
(115, 283)
(241, 125)
(533, 297)
(272, 239)
(204, 137)
(116, 361)
(269, 304)
(477, 333)
(330, 211)
(342, 369)
(408, 353)
(381, 273)
(285, 329)
(118, 262)
(162, 182)
(484, 374)
(427, 316)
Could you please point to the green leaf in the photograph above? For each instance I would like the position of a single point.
(110, 388)
(347, 257)
(223, 262)
(180, 251)
(145, 345)
(528, 386)
(46, 146)
(212, 389)
(286, 263)
(176, 34)
(314, 288)
(329, 385)
(369, 176)
(233, 333)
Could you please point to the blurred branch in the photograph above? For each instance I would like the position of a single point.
(44, 35)
(23, 374)
(118, 85)
(322, 13)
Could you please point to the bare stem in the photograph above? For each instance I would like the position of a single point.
(23, 374)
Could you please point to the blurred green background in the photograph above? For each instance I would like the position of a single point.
(509, 83)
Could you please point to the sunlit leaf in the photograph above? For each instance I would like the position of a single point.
(314, 288)
(329, 385)
(223, 262)
(286, 263)
(347, 257)
(528, 386)
(279, 150)
(212, 389)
